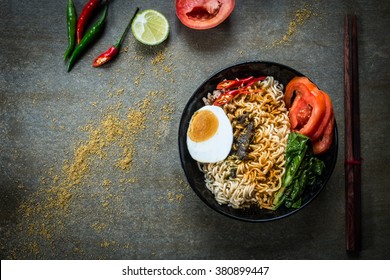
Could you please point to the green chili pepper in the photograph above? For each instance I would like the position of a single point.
(71, 20)
(88, 38)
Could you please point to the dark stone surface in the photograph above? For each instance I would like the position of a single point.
(148, 211)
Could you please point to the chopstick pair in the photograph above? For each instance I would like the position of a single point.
(352, 136)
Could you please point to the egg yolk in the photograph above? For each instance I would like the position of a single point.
(203, 126)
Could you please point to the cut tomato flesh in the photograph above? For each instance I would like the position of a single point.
(205, 11)
(307, 112)
(317, 102)
(303, 115)
(299, 113)
(203, 14)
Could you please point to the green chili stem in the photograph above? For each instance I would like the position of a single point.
(120, 41)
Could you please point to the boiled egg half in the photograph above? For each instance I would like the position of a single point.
(209, 135)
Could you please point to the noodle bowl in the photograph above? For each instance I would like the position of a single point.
(223, 186)
(252, 177)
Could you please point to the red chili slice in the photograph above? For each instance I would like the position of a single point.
(255, 80)
(230, 84)
(226, 84)
(226, 97)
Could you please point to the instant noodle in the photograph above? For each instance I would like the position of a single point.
(253, 171)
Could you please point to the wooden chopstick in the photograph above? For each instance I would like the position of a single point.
(352, 136)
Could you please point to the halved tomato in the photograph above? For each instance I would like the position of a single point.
(203, 14)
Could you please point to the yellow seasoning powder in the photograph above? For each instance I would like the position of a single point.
(47, 211)
(301, 16)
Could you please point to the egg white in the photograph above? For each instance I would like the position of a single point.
(217, 147)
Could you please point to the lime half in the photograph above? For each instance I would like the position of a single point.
(150, 27)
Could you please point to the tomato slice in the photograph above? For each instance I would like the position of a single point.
(327, 116)
(316, 101)
(323, 144)
(307, 108)
(203, 14)
(298, 85)
(307, 113)
(310, 112)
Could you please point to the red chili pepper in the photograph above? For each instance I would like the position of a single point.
(255, 80)
(227, 84)
(114, 49)
(226, 97)
(85, 15)
(106, 56)
(230, 84)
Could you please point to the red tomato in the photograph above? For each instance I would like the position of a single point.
(323, 144)
(316, 100)
(328, 115)
(299, 113)
(310, 112)
(307, 110)
(203, 14)
(298, 84)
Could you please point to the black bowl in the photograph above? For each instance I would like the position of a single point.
(196, 178)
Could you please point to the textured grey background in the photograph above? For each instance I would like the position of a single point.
(148, 211)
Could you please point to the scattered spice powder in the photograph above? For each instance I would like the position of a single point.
(137, 79)
(175, 197)
(49, 211)
(301, 16)
(106, 243)
(159, 58)
(34, 248)
(45, 211)
(158, 62)
(179, 197)
(98, 227)
(106, 183)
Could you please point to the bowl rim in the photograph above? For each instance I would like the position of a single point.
(220, 209)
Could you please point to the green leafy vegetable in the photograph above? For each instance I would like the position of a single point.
(302, 170)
